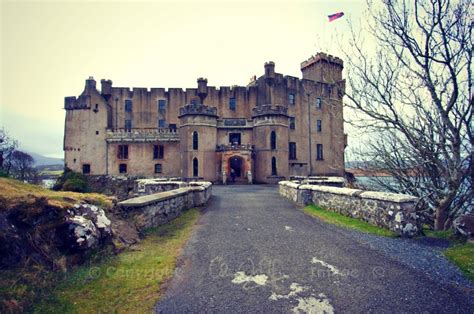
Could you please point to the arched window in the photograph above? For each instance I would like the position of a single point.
(274, 166)
(195, 167)
(273, 140)
(195, 140)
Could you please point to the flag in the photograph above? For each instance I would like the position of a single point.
(335, 16)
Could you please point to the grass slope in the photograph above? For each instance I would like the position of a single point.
(347, 222)
(129, 282)
(14, 193)
(463, 257)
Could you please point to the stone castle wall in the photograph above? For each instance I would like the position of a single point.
(396, 212)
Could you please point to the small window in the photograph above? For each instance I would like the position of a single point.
(172, 127)
(161, 123)
(158, 168)
(96, 132)
(319, 125)
(292, 123)
(161, 105)
(318, 103)
(195, 140)
(274, 166)
(195, 167)
(86, 168)
(128, 105)
(292, 151)
(128, 125)
(158, 151)
(235, 138)
(123, 168)
(122, 152)
(232, 104)
(194, 101)
(273, 144)
(291, 98)
(319, 152)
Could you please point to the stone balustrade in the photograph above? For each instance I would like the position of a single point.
(142, 135)
(396, 212)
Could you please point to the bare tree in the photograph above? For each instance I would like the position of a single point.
(22, 165)
(415, 94)
(7, 146)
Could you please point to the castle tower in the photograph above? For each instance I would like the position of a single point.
(270, 135)
(322, 68)
(198, 137)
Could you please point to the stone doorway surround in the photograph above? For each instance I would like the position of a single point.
(244, 156)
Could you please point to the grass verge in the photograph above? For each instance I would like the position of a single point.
(347, 222)
(128, 282)
(462, 255)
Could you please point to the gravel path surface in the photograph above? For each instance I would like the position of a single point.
(254, 251)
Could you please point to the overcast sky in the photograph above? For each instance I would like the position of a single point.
(48, 49)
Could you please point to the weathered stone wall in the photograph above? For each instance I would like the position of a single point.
(159, 208)
(396, 212)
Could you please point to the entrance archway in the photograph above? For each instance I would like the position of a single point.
(236, 163)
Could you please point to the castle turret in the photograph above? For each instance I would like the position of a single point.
(198, 137)
(322, 68)
(270, 135)
(106, 88)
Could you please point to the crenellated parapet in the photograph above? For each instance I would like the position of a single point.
(321, 56)
(269, 110)
(142, 135)
(197, 110)
(82, 102)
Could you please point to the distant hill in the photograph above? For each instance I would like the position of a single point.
(41, 160)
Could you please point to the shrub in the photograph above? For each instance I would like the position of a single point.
(71, 181)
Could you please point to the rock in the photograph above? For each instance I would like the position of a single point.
(464, 225)
(124, 234)
(88, 226)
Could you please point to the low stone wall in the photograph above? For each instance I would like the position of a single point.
(159, 208)
(152, 186)
(396, 212)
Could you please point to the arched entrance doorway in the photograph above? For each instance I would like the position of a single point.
(236, 163)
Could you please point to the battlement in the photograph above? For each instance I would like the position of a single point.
(197, 109)
(83, 102)
(321, 56)
(269, 110)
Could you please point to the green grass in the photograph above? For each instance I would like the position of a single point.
(446, 234)
(347, 222)
(129, 282)
(463, 256)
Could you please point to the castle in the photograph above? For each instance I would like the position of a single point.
(275, 127)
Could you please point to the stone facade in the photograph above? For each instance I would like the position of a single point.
(275, 127)
(396, 212)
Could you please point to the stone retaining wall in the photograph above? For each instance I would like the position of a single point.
(159, 208)
(396, 212)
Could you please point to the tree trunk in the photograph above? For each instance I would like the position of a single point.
(441, 217)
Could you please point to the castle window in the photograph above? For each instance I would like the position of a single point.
(96, 132)
(274, 166)
(273, 140)
(235, 138)
(195, 140)
(158, 168)
(128, 105)
(291, 98)
(128, 125)
(161, 105)
(319, 125)
(122, 152)
(158, 151)
(195, 167)
(86, 168)
(292, 151)
(161, 123)
(194, 101)
(232, 104)
(292, 123)
(172, 127)
(123, 168)
(319, 152)
(319, 103)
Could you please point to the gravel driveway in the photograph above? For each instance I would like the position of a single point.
(255, 251)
